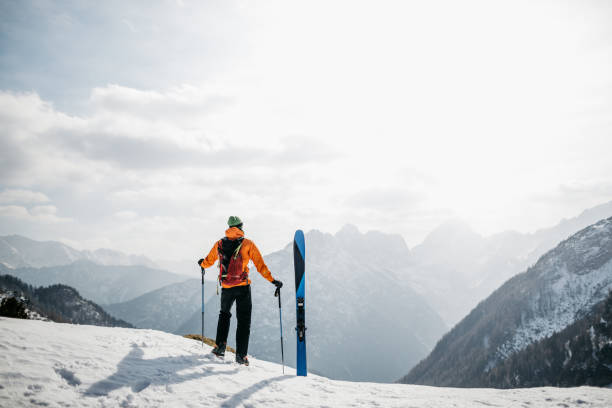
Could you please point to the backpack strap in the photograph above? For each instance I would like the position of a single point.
(222, 269)
(237, 250)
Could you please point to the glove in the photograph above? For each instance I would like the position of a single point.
(277, 283)
(200, 262)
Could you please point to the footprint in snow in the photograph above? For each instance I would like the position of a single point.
(32, 389)
(68, 375)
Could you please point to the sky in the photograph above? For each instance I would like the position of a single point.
(141, 126)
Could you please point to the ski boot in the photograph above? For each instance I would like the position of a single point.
(219, 351)
(242, 360)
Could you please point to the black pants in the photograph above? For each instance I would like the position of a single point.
(242, 296)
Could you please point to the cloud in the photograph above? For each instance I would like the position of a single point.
(48, 47)
(40, 214)
(385, 199)
(129, 151)
(122, 170)
(26, 123)
(195, 114)
(183, 102)
(301, 149)
(137, 130)
(599, 188)
(126, 215)
(129, 25)
(13, 158)
(14, 211)
(577, 191)
(22, 196)
(133, 151)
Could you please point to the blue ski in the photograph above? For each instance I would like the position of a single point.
(299, 253)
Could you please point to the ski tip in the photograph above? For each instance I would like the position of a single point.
(299, 241)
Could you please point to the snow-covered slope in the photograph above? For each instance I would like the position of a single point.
(563, 286)
(574, 276)
(60, 365)
(580, 354)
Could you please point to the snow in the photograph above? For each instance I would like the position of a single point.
(571, 299)
(32, 314)
(61, 365)
(568, 294)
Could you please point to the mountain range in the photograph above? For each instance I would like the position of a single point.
(17, 251)
(165, 308)
(366, 286)
(454, 268)
(104, 284)
(564, 286)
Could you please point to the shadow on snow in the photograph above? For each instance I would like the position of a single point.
(138, 373)
(247, 392)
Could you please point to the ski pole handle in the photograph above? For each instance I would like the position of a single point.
(277, 294)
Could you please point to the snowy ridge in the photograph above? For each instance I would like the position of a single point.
(576, 280)
(456, 268)
(19, 252)
(560, 289)
(48, 364)
(580, 354)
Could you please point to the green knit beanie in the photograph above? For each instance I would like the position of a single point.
(234, 221)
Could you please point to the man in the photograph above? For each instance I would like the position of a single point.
(234, 253)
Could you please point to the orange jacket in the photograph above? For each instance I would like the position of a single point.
(248, 251)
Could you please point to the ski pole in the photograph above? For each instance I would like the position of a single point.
(280, 316)
(203, 272)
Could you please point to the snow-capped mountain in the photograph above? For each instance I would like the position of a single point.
(355, 306)
(51, 364)
(563, 286)
(580, 354)
(19, 252)
(104, 284)
(455, 268)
